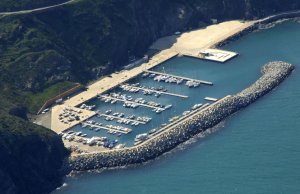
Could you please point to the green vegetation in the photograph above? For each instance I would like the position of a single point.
(31, 157)
(36, 101)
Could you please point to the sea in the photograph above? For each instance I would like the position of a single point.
(256, 150)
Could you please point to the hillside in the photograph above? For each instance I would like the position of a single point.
(31, 157)
(43, 53)
(80, 42)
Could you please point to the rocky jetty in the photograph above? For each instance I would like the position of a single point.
(273, 74)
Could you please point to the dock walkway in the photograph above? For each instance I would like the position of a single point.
(160, 92)
(179, 77)
(126, 101)
(115, 117)
(106, 128)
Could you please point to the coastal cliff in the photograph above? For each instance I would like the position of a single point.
(31, 157)
(273, 74)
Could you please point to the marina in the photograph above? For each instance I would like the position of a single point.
(201, 161)
(136, 88)
(108, 128)
(180, 77)
(135, 104)
(159, 101)
(129, 120)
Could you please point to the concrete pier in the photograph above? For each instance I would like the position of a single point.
(126, 101)
(115, 117)
(106, 128)
(215, 55)
(179, 77)
(160, 92)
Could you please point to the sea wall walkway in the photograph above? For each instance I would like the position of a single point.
(273, 74)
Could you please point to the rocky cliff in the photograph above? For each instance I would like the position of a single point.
(31, 157)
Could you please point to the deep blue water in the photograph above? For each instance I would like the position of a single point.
(257, 150)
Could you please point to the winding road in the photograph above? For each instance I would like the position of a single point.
(283, 14)
(36, 9)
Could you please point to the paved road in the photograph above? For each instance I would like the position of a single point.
(35, 10)
(278, 15)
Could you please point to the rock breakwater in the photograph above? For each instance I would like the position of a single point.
(273, 74)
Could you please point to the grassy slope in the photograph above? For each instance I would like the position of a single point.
(35, 101)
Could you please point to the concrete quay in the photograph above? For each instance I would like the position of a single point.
(118, 118)
(179, 77)
(106, 128)
(103, 86)
(215, 55)
(156, 91)
(273, 74)
(59, 125)
(126, 101)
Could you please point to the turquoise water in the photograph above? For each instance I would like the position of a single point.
(257, 150)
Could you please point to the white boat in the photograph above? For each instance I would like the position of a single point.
(141, 137)
(119, 146)
(168, 106)
(78, 133)
(211, 99)
(152, 131)
(196, 106)
(145, 74)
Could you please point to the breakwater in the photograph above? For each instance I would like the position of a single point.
(273, 74)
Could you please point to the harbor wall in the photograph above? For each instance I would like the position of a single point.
(53, 100)
(273, 74)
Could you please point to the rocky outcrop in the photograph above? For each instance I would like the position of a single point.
(31, 157)
(273, 74)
